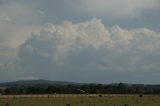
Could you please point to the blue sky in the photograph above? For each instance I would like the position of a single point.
(83, 41)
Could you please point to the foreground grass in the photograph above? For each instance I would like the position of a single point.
(83, 101)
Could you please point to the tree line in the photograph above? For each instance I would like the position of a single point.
(120, 88)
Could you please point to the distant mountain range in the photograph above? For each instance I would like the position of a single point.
(48, 82)
(36, 82)
(46, 86)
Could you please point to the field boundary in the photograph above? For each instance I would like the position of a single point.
(67, 95)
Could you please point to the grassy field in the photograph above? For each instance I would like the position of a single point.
(79, 100)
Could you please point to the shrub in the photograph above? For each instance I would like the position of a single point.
(68, 105)
(140, 95)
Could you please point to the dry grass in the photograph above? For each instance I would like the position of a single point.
(79, 100)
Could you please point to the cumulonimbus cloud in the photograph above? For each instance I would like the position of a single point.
(75, 51)
(90, 46)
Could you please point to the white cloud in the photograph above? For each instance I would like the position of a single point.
(84, 45)
(122, 37)
(87, 47)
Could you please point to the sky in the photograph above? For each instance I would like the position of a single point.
(93, 41)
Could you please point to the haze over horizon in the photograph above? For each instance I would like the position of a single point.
(99, 41)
